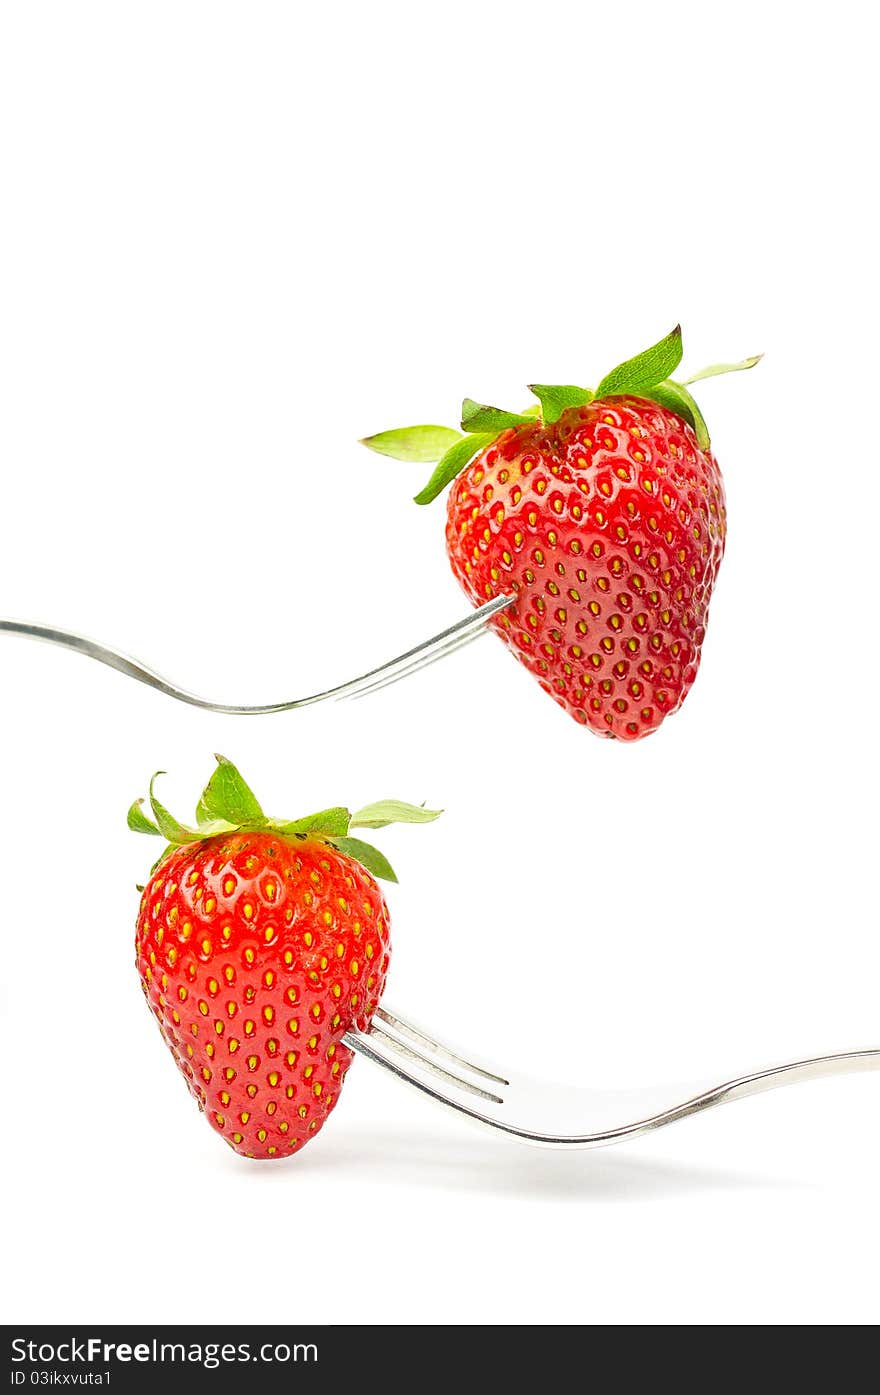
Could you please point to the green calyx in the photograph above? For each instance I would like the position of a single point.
(229, 805)
(648, 375)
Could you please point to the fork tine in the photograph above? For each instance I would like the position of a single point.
(414, 1057)
(404, 1060)
(424, 659)
(423, 655)
(435, 1048)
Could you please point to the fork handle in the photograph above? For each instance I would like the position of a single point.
(113, 658)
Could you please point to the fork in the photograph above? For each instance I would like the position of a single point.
(549, 1116)
(437, 647)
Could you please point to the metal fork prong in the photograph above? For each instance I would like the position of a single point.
(436, 1049)
(388, 1048)
(424, 659)
(442, 645)
(422, 654)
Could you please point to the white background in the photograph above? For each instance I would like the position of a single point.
(234, 239)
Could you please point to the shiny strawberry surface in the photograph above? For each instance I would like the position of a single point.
(256, 954)
(609, 528)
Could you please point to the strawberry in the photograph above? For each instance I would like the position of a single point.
(602, 513)
(259, 944)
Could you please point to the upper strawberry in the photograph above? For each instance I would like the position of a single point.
(260, 943)
(602, 515)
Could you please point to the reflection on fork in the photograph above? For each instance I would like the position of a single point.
(551, 1116)
(437, 647)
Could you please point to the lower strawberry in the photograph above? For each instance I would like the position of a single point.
(259, 945)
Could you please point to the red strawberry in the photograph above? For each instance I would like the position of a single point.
(259, 944)
(603, 515)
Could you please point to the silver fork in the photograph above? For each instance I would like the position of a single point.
(437, 647)
(550, 1116)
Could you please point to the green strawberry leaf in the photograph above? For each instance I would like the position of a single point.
(716, 369)
(452, 464)
(418, 443)
(227, 797)
(179, 833)
(475, 417)
(554, 400)
(368, 856)
(329, 823)
(170, 829)
(388, 811)
(138, 821)
(227, 791)
(676, 398)
(646, 369)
